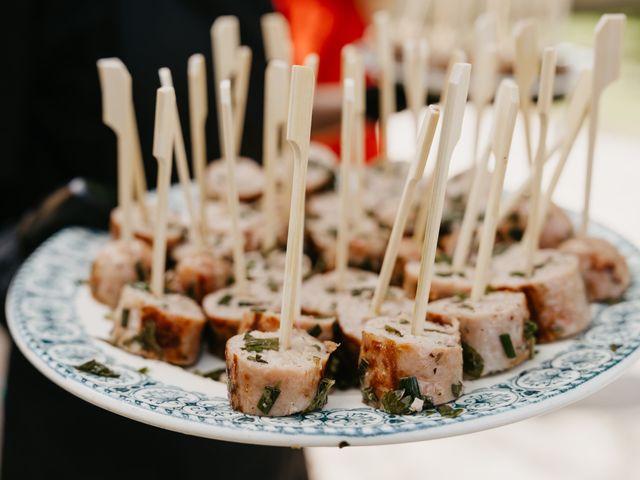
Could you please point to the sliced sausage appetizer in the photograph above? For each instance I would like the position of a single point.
(496, 332)
(249, 177)
(201, 273)
(321, 328)
(604, 269)
(268, 381)
(556, 228)
(168, 328)
(116, 265)
(445, 283)
(143, 230)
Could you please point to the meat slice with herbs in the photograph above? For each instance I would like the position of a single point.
(403, 373)
(201, 273)
(116, 265)
(603, 268)
(556, 228)
(496, 331)
(249, 177)
(267, 380)
(445, 283)
(167, 328)
(225, 310)
(555, 292)
(320, 293)
(321, 328)
(143, 230)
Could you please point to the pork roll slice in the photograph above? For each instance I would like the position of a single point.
(396, 367)
(167, 328)
(555, 292)
(496, 331)
(201, 273)
(556, 228)
(116, 265)
(321, 328)
(320, 292)
(265, 380)
(269, 268)
(144, 230)
(225, 310)
(445, 283)
(250, 221)
(603, 268)
(249, 177)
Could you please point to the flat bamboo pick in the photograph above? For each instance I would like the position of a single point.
(298, 135)
(276, 36)
(525, 70)
(452, 124)
(239, 264)
(501, 9)
(506, 114)
(346, 133)
(607, 56)
(275, 121)
(470, 218)
(240, 92)
(198, 111)
(411, 72)
(359, 137)
(425, 140)
(115, 83)
(166, 80)
(313, 62)
(485, 72)
(457, 56)
(386, 78)
(545, 97)
(577, 113)
(163, 139)
(139, 176)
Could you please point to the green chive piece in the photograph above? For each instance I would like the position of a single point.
(147, 338)
(143, 370)
(320, 400)
(448, 411)
(124, 321)
(472, 361)
(395, 331)
(518, 273)
(614, 347)
(410, 386)
(258, 345)
(257, 358)
(396, 402)
(225, 300)
(213, 374)
(369, 396)
(269, 396)
(456, 389)
(96, 368)
(363, 366)
(530, 330)
(507, 345)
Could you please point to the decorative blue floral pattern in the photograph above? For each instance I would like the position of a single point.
(45, 325)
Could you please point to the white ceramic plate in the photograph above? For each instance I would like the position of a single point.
(57, 325)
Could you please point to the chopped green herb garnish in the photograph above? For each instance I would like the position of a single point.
(396, 402)
(140, 271)
(269, 396)
(191, 291)
(213, 374)
(410, 386)
(257, 358)
(258, 310)
(530, 330)
(272, 285)
(466, 305)
(363, 366)
(518, 273)
(507, 345)
(124, 320)
(147, 338)
(226, 299)
(369, 396)
(614, 347)
(444, 274)
(258, 345)
(443, 258)
(449, 411)
(143, 370)
(472, 361)
(141, 286)
(395, 331)
(96, 368)
(489, 290)
(460, 296)
(456, 389)
(247, 303)
(404, 321)
(315, 330)
(330, 290)
(356, 292)
(320, 400)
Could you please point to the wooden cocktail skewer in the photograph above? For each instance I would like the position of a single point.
(298, 135)
(485, 72)
(425, 140)
(415, 58)
(452, 124)
(506, 114)
(115, 83)
(313, 62)
(275, 121)
(525, 70)
(458, 56)
(346, 134)
(359, 153)
(239, 264)
(607, 56)
(240, 92)
(198, 111)
(182, 163)
(545, 97)
(276, 37)
(163, 141)
(386, 78)
(139, 176)
(577, 113)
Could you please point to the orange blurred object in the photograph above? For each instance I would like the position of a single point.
(323, 27)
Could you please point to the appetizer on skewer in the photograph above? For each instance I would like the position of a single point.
(147, 321)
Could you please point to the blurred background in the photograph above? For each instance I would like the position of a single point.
(592, 439)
